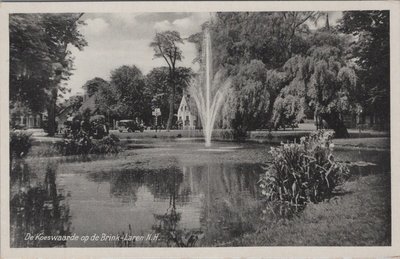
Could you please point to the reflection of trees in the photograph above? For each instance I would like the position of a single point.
(230, 206)
(227, 193)
(167, 223)
(36, 209)
(160, 182)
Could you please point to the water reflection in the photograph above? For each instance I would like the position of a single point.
(184, 205)
(36, 207)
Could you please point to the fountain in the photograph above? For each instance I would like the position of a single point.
(208, 90)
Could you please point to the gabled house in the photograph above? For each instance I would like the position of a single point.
(187, 114)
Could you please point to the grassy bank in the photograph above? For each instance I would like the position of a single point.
(359, 216)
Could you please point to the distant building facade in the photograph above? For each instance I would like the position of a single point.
(187, 114)
(23, 117)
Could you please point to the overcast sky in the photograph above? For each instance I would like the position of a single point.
(116, 39)
(123, 39)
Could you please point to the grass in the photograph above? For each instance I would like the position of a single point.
(359, 217)
(377, 143)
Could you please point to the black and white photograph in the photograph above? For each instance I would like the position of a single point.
(199, 129)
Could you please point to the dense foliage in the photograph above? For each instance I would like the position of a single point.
(159, 89)
(20, 143)
(166, 45)
(40, 59)
(125, 95)
(284, 70)
(302, 172)
(370, 50)
(82, 144)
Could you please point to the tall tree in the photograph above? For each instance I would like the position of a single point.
(125, 95)
(61, 33)
(157, 85)
(166, 46)
(30, 66)
(322, 80)
(40, 58)
(271, 37)
(246, 43)
(371, 52)
(250, 104)
(92, 86)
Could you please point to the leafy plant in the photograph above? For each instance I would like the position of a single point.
(302, 172)
(106, 145)
(82, 143)
(78, 144)
(20, 143)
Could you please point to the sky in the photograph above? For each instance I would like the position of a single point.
(116, 39)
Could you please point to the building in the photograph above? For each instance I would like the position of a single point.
(23, 117)
(187, 114)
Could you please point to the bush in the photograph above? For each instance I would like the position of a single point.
(82, 143)
(302, 173)
(20, 143)
(78, 144)
(107, 145)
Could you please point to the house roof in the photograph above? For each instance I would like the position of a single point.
(90, 104)
(190, 103)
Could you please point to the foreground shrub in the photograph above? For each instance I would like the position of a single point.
(107, 145)
(78, 144)
(82, 143)
(20, 143)
(302, 173)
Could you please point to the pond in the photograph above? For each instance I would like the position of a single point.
(169, 194)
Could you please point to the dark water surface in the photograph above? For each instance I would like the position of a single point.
(181, 204)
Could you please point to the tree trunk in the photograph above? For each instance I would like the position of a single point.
(51, 113)
(270, 111)
(171, 100)
(171, 109)
(336, 123)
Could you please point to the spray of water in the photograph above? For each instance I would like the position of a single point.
(208, 90)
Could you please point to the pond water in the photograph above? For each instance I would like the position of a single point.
(188, 202)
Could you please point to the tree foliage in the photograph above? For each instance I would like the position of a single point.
(252, 48)
(371, 52)
(92, 86)
(321, 81)
(158, 88)
(40, 58)
(271, 37)
(250, 98)
(125, 95)
(166, 46)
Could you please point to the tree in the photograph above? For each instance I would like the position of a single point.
(371, 52)
(40, 58)
(157, 86)
(125, 96)
(321, 80)
(165, 45)
(92, 86)
(30, 67)
(61, 33)
(252, 48)
(74, 101)
(251, 98)
(271, 37)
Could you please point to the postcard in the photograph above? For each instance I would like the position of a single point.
(199, 129)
